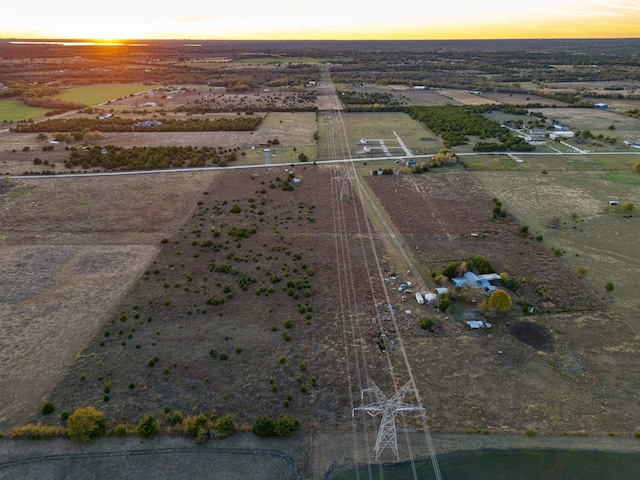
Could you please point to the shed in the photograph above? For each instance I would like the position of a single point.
(475, 324)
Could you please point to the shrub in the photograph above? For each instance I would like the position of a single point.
(47, 408)
(609, 287)
(445, 303)
(582, 270)
(627, 207)
(34, 432)
(226, 425)
(263, 427)
(286, 426)
(531, 433)
(120, 430)
(148, 427)
(174, 417)
(288, 323)
(286, 336)
(86, 424)
(427, 323)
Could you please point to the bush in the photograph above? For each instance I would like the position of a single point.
(86, 424)
(609, 287)
(148, 427)
(226, 425)
(286, 426)
(47, 408)
(34, 432)
(445, 303)
(263, 427)
(120, 430)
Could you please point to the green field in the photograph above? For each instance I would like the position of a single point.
(96, 94)
(622, 162)
(15, 111)
(515, 464)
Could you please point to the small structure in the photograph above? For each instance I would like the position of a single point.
(603, 106)
(475, 324)
(442, 290)
(419, 298)
(429, 297)
(562, 134)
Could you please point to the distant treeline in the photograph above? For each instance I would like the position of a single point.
(148, 158)
(118, 124)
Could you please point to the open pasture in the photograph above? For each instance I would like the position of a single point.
(15, 111)
(521, 99)
(417, 138)
(426, 97)
(466, 98)
(593, 233)
(596, 120)
(97, 94)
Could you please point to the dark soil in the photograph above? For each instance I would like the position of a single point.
(536, 336)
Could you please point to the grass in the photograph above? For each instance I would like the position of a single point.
(15, 111)
(96, 94)
(520, 464)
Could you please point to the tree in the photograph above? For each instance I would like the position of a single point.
(500, 301)
(445, 303)
(86, 424)
(148, 427)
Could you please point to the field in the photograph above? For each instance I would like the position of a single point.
(15, 110)
(276, 290)
(98, 94)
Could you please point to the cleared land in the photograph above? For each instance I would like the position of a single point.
(97, 94)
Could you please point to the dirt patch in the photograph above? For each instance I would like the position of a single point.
(536, 336)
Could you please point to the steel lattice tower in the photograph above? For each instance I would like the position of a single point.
(389, 407)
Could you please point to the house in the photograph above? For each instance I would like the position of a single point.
(538, 131)
(562, 134)
(148, 123)
(486, 282)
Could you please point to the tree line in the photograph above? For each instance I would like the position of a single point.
(119, 124)
(112, 157)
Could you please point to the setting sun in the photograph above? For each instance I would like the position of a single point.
(290, 19)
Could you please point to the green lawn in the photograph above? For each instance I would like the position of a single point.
(15, 111)
(96, 94)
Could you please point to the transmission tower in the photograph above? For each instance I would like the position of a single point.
(344, 181)
(389, 407)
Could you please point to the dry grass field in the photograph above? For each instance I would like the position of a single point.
(488, 380)
(70, 249)
(466, 98)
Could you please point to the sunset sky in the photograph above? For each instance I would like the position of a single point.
(321, 19)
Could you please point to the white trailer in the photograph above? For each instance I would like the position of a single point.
(419, 298)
